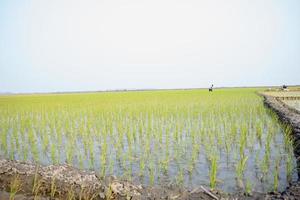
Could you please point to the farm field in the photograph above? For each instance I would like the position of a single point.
(226, 139)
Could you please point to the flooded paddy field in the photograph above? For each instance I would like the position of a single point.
(226, 139)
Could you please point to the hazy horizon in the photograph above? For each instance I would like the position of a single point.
(57, 46)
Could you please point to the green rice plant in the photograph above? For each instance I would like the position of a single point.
(45, 142)
(243, 140)
(227, 145)
(4, 143)
(259, 131)
(35, 152)
(265, 163)
(70, 152)
(111, 165)
(151, 172)
(233, 131)
(288, 139)
(213, 171)
(142, 166)
(180, 176)
(25, 151)
(248, 188)
(53, 154)
(241, 166)
(92, 156)
(264, 166)
(165, 165)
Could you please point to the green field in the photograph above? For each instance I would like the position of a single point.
(225, 139)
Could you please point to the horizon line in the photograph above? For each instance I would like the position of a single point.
(140, 89)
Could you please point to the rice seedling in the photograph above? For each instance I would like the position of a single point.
(142, 166)
(25, 151)
(151, 172)
(180, 176)
(53, 154)
(213, 171)
(248, 188)
(241, 165)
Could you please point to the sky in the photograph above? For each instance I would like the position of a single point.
(70, 45)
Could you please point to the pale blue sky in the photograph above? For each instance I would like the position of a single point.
(60, 45)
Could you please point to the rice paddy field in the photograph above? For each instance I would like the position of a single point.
(224, 139)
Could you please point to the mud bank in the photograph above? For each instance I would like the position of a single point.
(31, 181)
(66, 182)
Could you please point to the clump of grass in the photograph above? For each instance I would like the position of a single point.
(35, 180)
(53, 188)
(15, 187)
(71, 193)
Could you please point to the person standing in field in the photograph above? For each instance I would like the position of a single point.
(211, 88)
